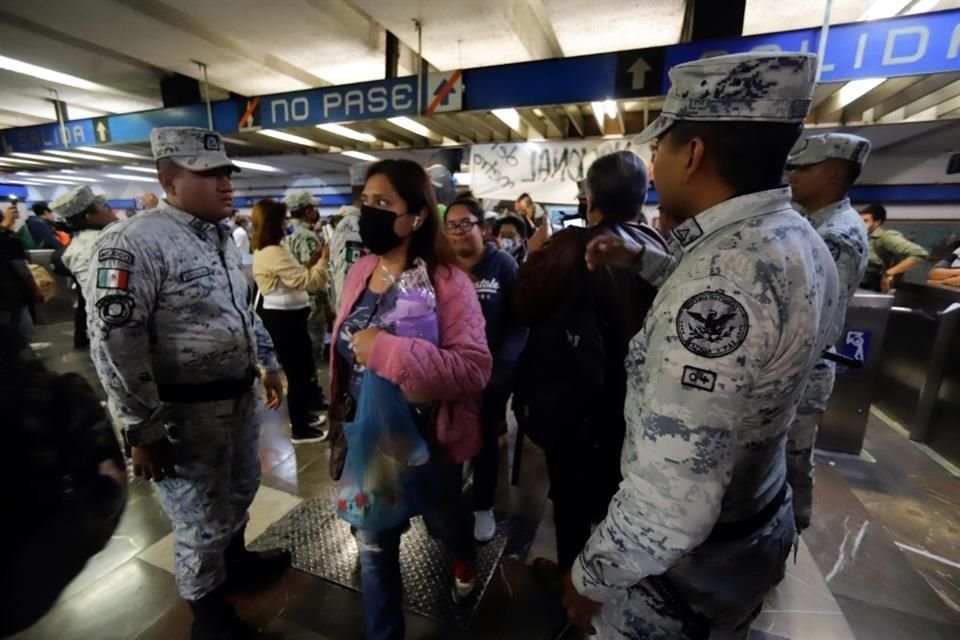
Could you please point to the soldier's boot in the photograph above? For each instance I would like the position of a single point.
(249, 571)
(215, 619)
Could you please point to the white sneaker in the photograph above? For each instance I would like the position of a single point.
(484, 526)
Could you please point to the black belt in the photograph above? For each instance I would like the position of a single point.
(725, 531)
(212, 391)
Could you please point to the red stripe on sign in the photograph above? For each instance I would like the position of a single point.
(447, 88)
(249, 112)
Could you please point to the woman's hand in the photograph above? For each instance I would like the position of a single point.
(361, 342)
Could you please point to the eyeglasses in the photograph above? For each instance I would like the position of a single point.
(463, 226)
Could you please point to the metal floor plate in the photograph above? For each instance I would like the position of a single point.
(322, 546)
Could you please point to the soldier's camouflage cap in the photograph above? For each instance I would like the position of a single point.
(746, 87)
(816, 149)
(76, 201)
(300, 199)
(192, 148)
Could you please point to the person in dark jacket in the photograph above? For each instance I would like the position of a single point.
(493, 272)
(574, 400)
(41, 227)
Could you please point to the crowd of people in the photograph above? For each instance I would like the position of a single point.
(673, 376)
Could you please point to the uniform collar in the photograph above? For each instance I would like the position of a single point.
(202, 228)
(299, 223)
(691, 232)
(822, 215)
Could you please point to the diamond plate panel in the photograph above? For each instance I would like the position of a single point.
(321, 545)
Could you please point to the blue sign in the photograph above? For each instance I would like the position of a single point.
(902, 46)
(48, 136)
(363, 101)
(446, 97)
(855, 345)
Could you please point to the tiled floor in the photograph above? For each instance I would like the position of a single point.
(880, 561)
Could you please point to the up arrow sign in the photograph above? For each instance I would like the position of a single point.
(103, 133)
(638, 72)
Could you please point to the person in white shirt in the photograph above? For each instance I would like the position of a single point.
(241, 238)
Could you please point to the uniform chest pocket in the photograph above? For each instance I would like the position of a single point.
(195, 274)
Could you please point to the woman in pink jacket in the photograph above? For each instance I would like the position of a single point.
(443, 383)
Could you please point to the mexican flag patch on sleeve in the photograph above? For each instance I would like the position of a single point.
(112, 278)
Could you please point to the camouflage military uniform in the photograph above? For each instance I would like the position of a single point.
(714, 379)
(346, 247)
(170, 314)
(843, 232)
(303, 243)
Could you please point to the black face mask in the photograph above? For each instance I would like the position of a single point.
(376, 229)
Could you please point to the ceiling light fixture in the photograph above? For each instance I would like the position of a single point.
(923, 6)
(34, 71)
(255, 166)
(52, 181)
(359, 155)
(113, 152)
(341, 130)
(289, 137)
(16, 161)
(36, 156)
(509, 117)
(123, 176)
(79, 156)
(130, 167)
(9, 180)
(856, 89)
(411, 125)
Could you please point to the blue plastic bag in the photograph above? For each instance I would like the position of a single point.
(382, 485)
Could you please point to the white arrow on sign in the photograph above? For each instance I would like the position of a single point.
(102, 131)
(639, 70)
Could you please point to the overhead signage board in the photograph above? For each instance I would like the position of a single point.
(626, 74)
(902, 46)
(119, 129)
(363, 101)
(548, 171)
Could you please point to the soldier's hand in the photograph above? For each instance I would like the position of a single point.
(154, 461)
(317, 255)
(274, 390)
(580, 609)
(613, 252)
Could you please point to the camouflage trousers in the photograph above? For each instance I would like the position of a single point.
(802, 438)
(317, 326)
(723, 581)
(218, 474)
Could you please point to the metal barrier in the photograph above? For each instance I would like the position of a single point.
(845, 421)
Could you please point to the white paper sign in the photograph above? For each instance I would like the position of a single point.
(548, 171)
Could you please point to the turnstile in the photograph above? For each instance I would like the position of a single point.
(845, 421)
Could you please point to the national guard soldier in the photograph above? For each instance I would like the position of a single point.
(702, 523)
(822, 168)
(176, 344)
(346, 245)
(87, 214)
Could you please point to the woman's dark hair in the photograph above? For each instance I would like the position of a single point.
(413, 185)
(748, 156)
(269, 218)
(878, 211)
(471, 205)
(617, 186)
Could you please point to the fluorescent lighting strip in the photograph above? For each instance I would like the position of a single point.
(150, 170)
(113, 152)
(359, 155)
(289, 137)
(509, 117)
(36, 156)
(17, 161)
(411, 125)
(341, 130)
(123, 176)
(42, 73)
(255, 166)
(79, 156)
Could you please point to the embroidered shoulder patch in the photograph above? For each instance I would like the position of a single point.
(712, 324)
(194, 274)
(115, 310)
(113, 279)
(117, 255)
(698, 378)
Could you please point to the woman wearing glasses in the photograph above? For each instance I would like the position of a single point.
(493, 272)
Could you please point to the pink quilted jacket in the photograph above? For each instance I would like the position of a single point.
(455, 373)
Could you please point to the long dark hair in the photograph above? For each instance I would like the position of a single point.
(413, 184)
